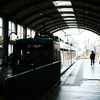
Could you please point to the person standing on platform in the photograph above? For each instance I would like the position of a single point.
(92, 57)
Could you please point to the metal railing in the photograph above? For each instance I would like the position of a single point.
(32, 84)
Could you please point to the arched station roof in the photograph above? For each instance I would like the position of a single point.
(51, 15)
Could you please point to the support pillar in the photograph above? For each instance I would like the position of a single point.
(5, 41)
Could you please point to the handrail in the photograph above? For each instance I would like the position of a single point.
(56, 62)
(20, 74)
(46, 65)
(43, 66)
(33, 69)
(32, 84)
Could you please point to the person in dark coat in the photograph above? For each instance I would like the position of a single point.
(92, 57)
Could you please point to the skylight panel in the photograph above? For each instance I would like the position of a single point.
(67, 12)
(65, 9)
(72, 24)
(69, 18)
(67, 15)
(62, 3)
(70, 21)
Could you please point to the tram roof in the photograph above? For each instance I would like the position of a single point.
(53, 15)
(35, 40)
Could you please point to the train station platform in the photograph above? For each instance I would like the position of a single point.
(80, 82)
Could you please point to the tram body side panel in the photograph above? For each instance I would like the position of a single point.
(73, 56)
(56, 51)
(62, 58)
(53, 56)
(66, 53)
(56, 58)
(40, 56)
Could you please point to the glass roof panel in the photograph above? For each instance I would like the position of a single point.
(72, 26)
(69, 18)
(70, 21)
(62, 3)
(65, 9)
(67, 15)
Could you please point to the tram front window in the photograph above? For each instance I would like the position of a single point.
(32, 57)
